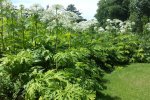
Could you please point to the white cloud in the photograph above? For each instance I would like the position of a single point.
(86, 7)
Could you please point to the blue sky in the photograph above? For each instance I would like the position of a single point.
(86, 7)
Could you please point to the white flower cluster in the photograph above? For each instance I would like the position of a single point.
(127, 26)
(68, 19)
(57, 15)
(6, 4)
(36, 8)
(101, 29)
(117, 25)
(98, 29)
(85, 25)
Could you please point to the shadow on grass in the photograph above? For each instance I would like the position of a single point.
(102, 96)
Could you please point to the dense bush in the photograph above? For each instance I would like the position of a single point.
(77, 68)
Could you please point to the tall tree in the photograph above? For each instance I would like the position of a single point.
(72, 8)
(111, 9)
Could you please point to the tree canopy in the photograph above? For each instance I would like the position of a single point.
(112, 9)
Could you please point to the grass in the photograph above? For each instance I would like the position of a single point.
(129, 83)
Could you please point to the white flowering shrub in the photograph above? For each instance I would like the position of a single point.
(58, 16)
(114, 25)
(85, 25)
(117, 25)
(101, 29)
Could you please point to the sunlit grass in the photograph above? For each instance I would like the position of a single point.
(129, 83)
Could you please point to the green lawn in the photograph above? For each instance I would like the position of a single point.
(129, 83)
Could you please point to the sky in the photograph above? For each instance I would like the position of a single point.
(86, 7)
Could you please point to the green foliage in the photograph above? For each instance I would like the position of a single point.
(145, 44)
(144, 7)
(15, 64)
(71, 56)
(15, 71)
(14, 74)
(6, 86)
(56, 85)
(112, 50)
